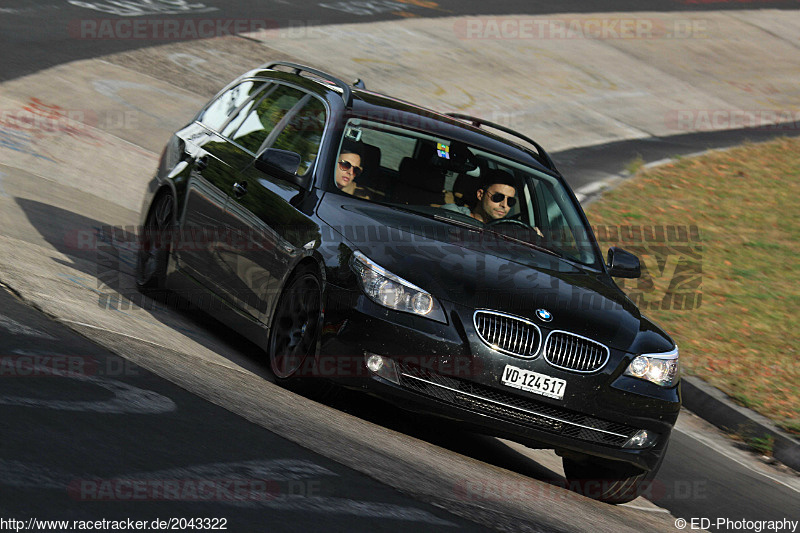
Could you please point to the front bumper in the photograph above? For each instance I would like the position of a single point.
(446, 371)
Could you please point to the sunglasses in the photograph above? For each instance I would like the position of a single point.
(344, 166)
(499, 197)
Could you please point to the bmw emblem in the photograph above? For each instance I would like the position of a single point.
(544, 315)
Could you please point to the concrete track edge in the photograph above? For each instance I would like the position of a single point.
(699, 397)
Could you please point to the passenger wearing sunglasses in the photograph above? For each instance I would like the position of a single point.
(496, 197)
(348, 168)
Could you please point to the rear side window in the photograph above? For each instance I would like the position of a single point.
(217, 114)
(268, 112)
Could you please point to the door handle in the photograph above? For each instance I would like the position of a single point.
(239, 189)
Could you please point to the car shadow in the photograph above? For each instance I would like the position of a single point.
(105, 255)
(442, 433)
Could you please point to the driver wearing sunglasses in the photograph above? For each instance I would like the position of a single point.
(348, 169)
(496, 196)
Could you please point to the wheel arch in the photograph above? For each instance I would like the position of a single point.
(307, 264)
(166, 187)
(312, 261)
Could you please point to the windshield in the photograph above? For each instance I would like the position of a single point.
(450, 181)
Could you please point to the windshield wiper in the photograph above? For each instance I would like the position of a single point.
(527, 243)
(483, 227)
(461, 223)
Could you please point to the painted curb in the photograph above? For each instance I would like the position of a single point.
(714, 406)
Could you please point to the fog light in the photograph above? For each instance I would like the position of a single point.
(642, 439)
(382, 366)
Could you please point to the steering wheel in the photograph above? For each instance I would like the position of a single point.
(498, 221)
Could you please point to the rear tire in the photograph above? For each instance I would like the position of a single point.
(154, 246)
(608, 481)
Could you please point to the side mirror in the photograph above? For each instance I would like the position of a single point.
(622, 264)
(282, 164)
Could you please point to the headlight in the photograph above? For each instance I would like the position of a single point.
(659, 368)
(389, 290)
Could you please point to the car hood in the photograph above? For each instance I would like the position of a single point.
(480, 270)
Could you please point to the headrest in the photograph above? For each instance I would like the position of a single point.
(421, 176)
(370, 156)
(465, 188)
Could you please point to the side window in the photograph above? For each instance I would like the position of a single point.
(303, 133)
(258, 124)
(245, 110)
(227, 103)
(557, 227)
(393, 147)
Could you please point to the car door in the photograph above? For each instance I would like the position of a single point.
(247, 254)
(214, 162)
(264, 208)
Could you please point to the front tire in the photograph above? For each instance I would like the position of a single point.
(608, 481)
(296, 325)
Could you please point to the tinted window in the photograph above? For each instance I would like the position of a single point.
(543, 213)
(394, 147)
(228, 102)
(244, 111)
(557, 227)
(303, 133)
(258, 124)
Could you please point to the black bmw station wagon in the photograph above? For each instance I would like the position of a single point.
(438, 261)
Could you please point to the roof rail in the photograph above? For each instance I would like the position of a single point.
(347, 94)
(478, 122)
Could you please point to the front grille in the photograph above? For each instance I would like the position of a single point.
(512, 408)
(508, 334)
(573, 352)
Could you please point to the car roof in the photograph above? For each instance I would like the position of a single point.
(367, 104)
(383, 108)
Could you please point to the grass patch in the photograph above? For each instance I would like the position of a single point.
(744, 337)
(635, 165)
(762, 445)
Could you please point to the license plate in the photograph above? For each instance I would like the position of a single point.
(533, 382)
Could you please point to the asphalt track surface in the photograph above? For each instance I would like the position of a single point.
(586, 165)
(127, 444)
(36, 34)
